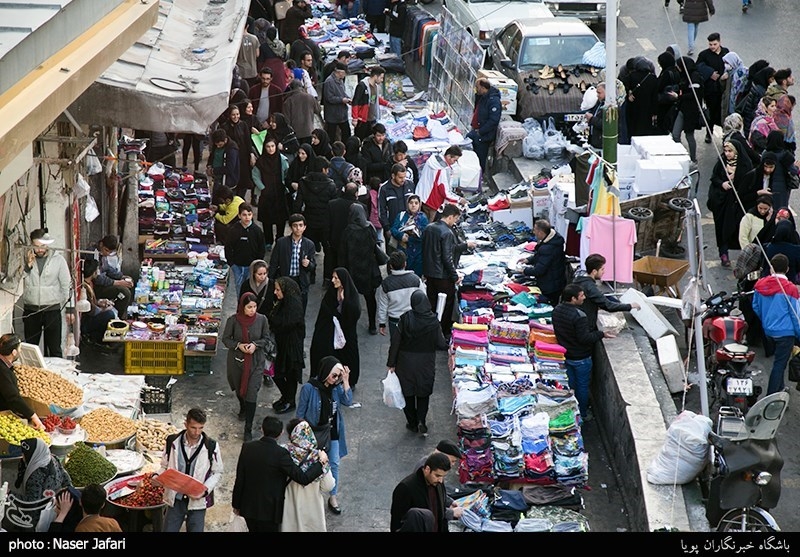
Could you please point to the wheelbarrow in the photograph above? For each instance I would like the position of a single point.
(661, 274)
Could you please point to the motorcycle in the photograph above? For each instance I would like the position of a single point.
(728, 359)
(745, 466)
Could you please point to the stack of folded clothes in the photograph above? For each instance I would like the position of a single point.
(537, 453)
(476, 464)
(570, 460)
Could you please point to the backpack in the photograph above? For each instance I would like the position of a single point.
(211, 446)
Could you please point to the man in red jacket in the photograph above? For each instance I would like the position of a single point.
(366, 102)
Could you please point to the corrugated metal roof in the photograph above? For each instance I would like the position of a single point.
(177, 77)
(31, 32)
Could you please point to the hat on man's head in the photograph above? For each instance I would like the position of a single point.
(449, 448)
(42, 235)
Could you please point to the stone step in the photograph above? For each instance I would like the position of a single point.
(502, 181)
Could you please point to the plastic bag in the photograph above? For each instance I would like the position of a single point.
(92, 212)
(684, 453)
(339, 339)
(237, 524)
(532, 148)
(611, 322)
(392, 392)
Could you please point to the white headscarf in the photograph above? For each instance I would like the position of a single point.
(39, 458)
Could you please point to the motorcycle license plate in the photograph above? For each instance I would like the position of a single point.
(573, 117)
(740, 386)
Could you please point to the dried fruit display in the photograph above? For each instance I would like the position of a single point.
(152, 434)
(47, 387)
(146, 495)
(103, 425)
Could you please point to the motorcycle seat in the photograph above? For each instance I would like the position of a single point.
(736, 348)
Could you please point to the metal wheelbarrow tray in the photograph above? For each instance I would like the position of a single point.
(662, 273)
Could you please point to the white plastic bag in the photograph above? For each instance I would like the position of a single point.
(237, 524)
(611, 322)
(392, 392)
(532, 148)
(92, 212)
(339, 339)
(684, 453)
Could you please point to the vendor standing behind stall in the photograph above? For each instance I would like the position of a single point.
(10, 398)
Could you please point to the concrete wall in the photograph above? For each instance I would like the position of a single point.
(633, 417)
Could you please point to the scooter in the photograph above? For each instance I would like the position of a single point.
(745, 466)
(728, 359)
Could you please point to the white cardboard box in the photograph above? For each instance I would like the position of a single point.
(626, 188)
(657, 145)
(655, 176)
(648, 316)
(683, 160)
(626, 160)
(540, 203)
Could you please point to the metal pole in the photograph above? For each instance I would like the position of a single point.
(611, 116)
(692, 224)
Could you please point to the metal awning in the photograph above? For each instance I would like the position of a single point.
(177, 77)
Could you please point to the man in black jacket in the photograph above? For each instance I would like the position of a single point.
(595, 300)
(245, 243)
(262, 472)
(573, 333)
(338, 218)
(438, 248)
(424, 489)
(315, 191)
(294, 256)
(377, 151)
(712, 68)
(392, 200)
(548, 261)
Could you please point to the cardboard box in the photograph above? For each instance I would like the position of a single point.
(507, 216)
(657, 145)
(540, 202)
(655, 176)
(648, 316)
(626, 188)
(626, 161)
(684, 161)
(508, 89)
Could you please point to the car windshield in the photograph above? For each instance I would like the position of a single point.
(504, 1)
(552, 51)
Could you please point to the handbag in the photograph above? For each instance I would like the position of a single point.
(794, 365)
(792, 178)
(338, 335)
(281, 7)
(380, 255)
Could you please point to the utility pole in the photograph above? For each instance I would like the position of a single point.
(610, 109)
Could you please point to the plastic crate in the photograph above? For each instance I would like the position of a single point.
(156, 395)
(154, 357)
(197, 364)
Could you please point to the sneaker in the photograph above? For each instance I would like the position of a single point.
(519, 193)
(285, 408)
(708, 138)
(496, 198)
(269, 247)
(726, 262)
(501, 204)
(268, 381)
(422, 428)
(689, 52)
(412, 428)
(477, 208)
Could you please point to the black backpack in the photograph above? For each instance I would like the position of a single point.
(211, 445)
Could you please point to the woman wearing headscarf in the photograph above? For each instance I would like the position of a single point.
(342, 302)
(784, 163)
(239, 131)
(668, 88)
(246, 336)
(759, 82)
(38, 473)
(301, 165)
(269, 175)
(735, 84)
(357, 253)
(321, 143)
(287, 322)
(257, 283)
(784, 241)
(754, 220)
(304, 506)
(731, 180)
(641, 86)
(688, 118)
(733, 128)
(278, 128)
(412, 356)
(320, 404)
(763, 123)
(272, 54)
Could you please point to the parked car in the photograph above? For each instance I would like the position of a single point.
(482, 17)
(528, 50)
(588, 11)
